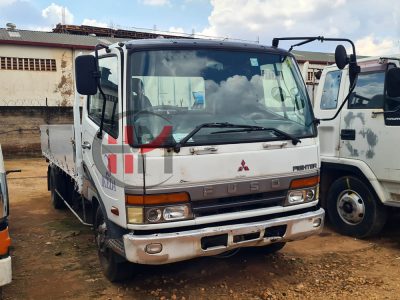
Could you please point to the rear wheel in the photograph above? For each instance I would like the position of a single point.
(353, 209)
(114, 267)
(56, 200)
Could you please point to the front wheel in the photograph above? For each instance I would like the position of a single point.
(273, 248)
(114, 267)
(353, 209)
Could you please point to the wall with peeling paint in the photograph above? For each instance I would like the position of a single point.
(19, 127)
(31, 88)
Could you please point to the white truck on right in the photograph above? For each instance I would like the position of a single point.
(360, 169)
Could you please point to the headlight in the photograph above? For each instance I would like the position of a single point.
(295, 197)
(178, 212)
(302, 195)
(153, 215)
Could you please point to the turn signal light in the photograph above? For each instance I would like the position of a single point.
(156, 199)
(304, 182)
(5, 241)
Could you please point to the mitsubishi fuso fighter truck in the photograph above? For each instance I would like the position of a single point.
(5, 241)
(186, 148)
(360, 173)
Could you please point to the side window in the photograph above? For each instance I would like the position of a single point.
(368, 92)
(109, 83)
(392, 114)
(330, 92)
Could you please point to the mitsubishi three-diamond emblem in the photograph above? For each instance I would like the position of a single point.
(243, 166)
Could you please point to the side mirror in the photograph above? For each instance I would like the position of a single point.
(341, 58)
(85, 75)
(393, 82)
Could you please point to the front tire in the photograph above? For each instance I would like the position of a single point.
(115, 268)
(353, 209)
(273, 248)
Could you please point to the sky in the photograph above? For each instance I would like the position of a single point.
(373, 25)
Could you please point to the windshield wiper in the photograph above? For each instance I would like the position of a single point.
(277, 132)
(184, 140)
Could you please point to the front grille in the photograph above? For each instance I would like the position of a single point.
(237, 203)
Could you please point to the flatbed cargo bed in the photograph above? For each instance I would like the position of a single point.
(57, 143)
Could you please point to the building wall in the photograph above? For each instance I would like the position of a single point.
(20, 127)
(32, 87)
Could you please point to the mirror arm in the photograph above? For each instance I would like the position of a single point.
(302, 43)
(97, 75)
(305, 40)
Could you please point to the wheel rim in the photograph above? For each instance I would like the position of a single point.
(351, 207)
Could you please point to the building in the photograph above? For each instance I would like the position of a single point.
(312, 63)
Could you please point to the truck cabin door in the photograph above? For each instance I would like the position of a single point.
(369, 137)
(100, 154)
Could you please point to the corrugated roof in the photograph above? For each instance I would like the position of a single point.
(321, 57)
(53, 39)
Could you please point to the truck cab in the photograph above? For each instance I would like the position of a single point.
(5, 241)
(188, 148)
(360, 175)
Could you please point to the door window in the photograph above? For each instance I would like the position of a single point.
(330, 92)
(109, 83)
(368, 93)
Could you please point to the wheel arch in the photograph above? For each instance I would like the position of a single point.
(332, 171)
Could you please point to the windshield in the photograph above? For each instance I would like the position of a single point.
(174, 91)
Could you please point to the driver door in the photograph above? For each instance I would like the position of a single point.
(103, 155)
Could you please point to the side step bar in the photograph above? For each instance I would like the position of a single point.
(73, 211)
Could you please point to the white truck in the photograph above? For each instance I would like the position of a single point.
(360, 172)
(5, 241)
(186, 148)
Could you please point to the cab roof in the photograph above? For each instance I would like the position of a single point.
(200, 43)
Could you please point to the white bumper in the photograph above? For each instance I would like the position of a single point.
(183, 245)
(5, 271)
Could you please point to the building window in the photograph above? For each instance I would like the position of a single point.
(310, 76)
(27, 64)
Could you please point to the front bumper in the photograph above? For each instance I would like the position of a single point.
(5, 271)
(183, 245)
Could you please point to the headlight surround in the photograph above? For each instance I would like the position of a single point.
(303, 190)
(158, 214)
(158, 208)
(300, 196)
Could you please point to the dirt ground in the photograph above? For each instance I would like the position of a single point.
(54, 257)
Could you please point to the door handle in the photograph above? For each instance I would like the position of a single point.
(348, 134)
(86, 145)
